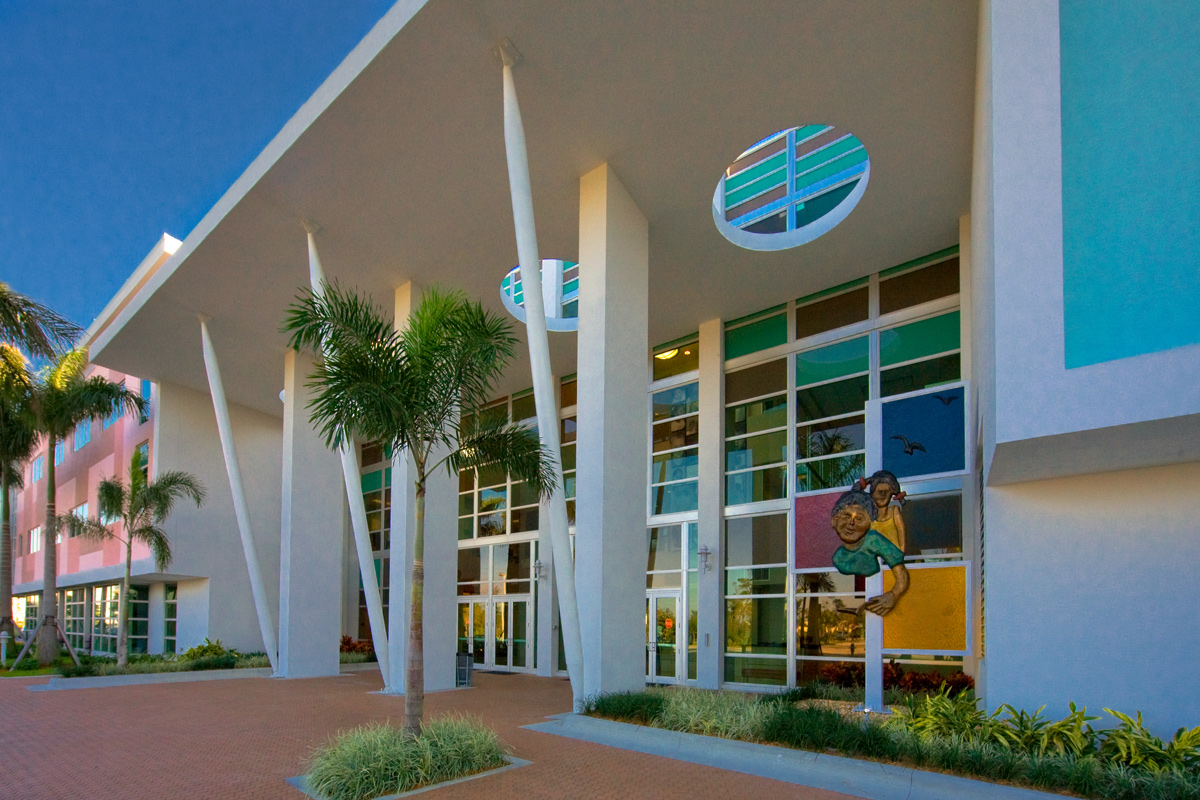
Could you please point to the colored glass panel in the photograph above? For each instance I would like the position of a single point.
(925, 434)
(832, 313)
(919, 286)
(833, 361)
(756, 336)
(832, 399)
(677, 466)
(933, 615)
(675, 497)
(919, 339)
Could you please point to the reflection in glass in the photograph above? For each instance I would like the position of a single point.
(833, 361)
(825, 628)
(676, 402)
(666, 631)
(503, 636)
(755, 451)
(676, 433)
(755, 486)
(519, 627)
(768, 671)
(756, 625)
(832, 399)
(664, 545)
(933, 524)
(679, 465)
(827, 438)
(764, 580)
(829, 473)
(759, 415)
(752, 541)
(921, 375)
(675, 497)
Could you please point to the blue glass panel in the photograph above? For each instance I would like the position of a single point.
(676, 497)
(925, 434)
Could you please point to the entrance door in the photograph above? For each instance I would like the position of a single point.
(498, 633)
(662, 634)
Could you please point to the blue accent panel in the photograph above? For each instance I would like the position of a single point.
(1131, 185)
(932, 430)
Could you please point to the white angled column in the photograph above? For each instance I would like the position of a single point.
(711, 595)
(352, 478)
(266, 624)
(543, 580)
(441, 555)
(539, 362)
(310, 580)
(610, 518)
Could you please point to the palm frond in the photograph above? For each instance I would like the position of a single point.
(63, 396)
(513, 448)
(34, 326)
(84, 527)
(160, 545)
(111, 497)
(159, 497)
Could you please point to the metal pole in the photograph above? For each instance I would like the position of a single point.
(265, 624)
(539, 358)
(358, 509)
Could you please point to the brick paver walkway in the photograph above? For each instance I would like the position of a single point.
(236, 739)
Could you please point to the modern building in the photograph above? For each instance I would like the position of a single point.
(949, 239)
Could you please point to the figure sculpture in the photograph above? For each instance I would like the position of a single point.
(884, 487)
(862, 548)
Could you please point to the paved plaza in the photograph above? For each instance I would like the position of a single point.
(240, 739)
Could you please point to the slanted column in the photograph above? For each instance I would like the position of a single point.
(310, 580)
(610, 542)
(547, 597)
(441, 555)
(711, 602)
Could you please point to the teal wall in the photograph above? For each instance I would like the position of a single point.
(1130, 177)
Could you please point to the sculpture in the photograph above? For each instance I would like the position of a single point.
(862, 548)
(884, 487)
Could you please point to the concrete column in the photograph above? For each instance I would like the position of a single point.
(441, 554)
(547, 600)
(612, 434)
(711, 612)
(310, 561)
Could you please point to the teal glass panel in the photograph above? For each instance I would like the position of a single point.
(830, 473)
(675, 497)
(764, 580)
(756, 451)
(756, 625)
(925, 434)
(832, 399)
(821, 156)
(755, 486)
(767, 165)
(921, 375)
(833, 361)
(756, 336)
(828, 438)
(372, 481)
(919, 339)
(676, 466)
(769, 181)
(821, 173)
(759, 415)
(569, 485)
(676, 402)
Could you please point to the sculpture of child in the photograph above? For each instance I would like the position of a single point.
(884, 488)
(862, 548)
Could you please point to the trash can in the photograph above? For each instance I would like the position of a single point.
(464, 671)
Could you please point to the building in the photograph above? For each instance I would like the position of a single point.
(980, 211)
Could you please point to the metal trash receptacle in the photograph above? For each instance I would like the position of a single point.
(465, 670)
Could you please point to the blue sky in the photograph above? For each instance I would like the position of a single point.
(120, 121)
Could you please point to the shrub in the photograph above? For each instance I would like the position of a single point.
(1132, 745)
(253, 661)
(376, 760)
(853, 675)
(640, 707)
(725, 714)
(1033, 733)
(354, 658)
(363, 646)
(209, 649)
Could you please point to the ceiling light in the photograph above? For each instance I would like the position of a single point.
(665, 355)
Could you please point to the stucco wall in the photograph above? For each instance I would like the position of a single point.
(1092, 594)
(206, 540)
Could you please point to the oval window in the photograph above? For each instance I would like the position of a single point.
(791, 187)
(560, 288)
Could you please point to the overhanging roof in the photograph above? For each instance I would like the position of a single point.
(400, 157)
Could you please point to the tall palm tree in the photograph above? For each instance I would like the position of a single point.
(140, 507)
(17, 443)
(412, 391)
(33, 326)
(62, 398)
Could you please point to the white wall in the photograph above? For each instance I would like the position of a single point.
(1105, 405)
(191, 613)
(1092, 594)
(206, 540)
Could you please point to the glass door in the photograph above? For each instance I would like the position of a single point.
(510, 624)
(662, 634)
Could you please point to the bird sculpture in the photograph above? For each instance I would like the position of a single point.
(910, 447)
(947, 399)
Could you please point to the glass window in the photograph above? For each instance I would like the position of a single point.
(145, 415)
(756, 381)
(568, 392)
(756, 625)
(761, 334)
(170, 614)
(819, 316)
(921, 339)
(524, 408)
(763, 580)
(664, 548)
(919, 375)
(675, 466)
(755, 486)
(674, 498)
(676, 402)
(933, 524)
(832, 399)
(372, 453)
(751, 541)
(756, 451)
(832, 361)
(766, 671)
(925, 434)
(676, 359)
(918, 286)
(757, 415)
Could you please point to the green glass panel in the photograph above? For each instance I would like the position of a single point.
(491, 475)
(823, 155)
(372, 481)
(756, 336)
(833, 361)
(919, 339)
(821, 173)
(523, 408)
(776, 178)
(756, 451)
(759, 415)
(760, 169)
(765, 580)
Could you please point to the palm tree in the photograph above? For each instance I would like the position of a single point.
(37, 328)
(140, 507)
(62, 398)
(17, 443)
(417, 391)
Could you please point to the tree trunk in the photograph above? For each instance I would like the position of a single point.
(414, 683)
(6, 555)
(123, 610)
(47, 643)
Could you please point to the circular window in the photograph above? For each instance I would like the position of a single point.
(560, 288)
(791, 187)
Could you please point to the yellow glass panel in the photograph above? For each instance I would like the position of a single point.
(932, 615)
